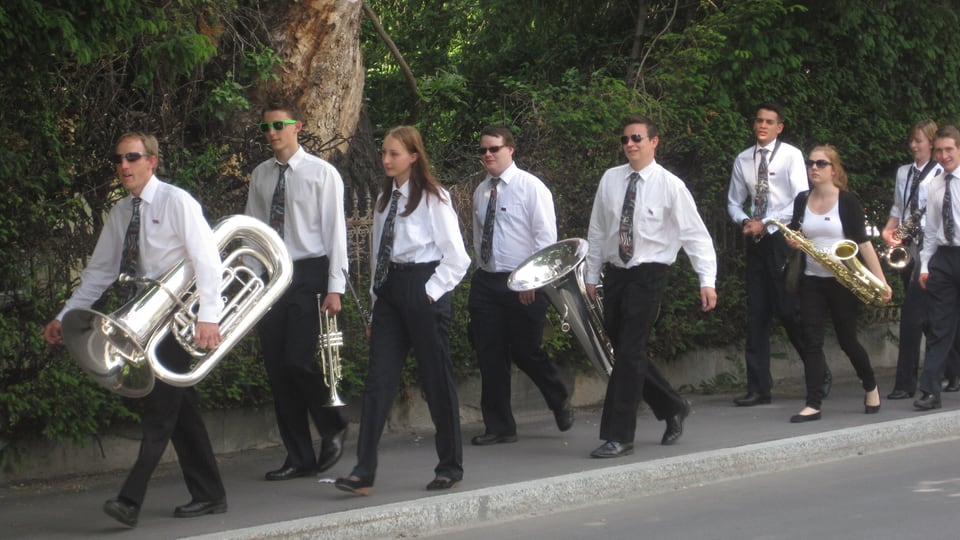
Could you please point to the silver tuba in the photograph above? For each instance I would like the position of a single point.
(329, 341)
(119, 350)
(558, 271)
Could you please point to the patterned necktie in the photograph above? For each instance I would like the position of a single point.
(386, 242)
(763, 187)
(626, 219)
(913, 189)
(279, 200)
(948, 222)
(131, 248)
(486, 241)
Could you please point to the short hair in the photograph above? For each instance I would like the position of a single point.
(926, 126)
(833, 156)
(282, 104)
(500, 131)
(949, 131)
(771, 106)
(652, 130)
(150, 144)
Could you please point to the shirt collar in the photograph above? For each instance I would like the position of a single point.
(295, 159)
(149, 192)
(507, 174)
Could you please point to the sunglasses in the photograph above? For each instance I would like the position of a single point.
(117, 159)
(635, 138)
(491, 149)
(820, 163)
(276, 125)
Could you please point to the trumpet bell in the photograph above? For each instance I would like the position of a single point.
(107, 351)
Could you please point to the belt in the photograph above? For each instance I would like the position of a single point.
(403, 267)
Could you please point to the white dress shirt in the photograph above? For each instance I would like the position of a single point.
(786, 177)
(430, 233)
(904, 183)
(172, 228)
(665, 219)
(933, 236)
(526, 221)
(314, 224)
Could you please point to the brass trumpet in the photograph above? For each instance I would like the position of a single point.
(329, 340)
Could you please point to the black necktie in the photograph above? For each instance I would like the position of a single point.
(626, 219)
(486, 241)
(279, 200)
(913, 190)
(948, 223)
(131, 248)
(386, 242)
(763, 187)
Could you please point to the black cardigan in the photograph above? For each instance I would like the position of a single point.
(852, 218)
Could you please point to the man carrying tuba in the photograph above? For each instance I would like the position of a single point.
(146, 233)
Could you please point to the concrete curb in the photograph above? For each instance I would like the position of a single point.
(592, 487)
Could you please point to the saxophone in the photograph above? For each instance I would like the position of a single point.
(841, 261)
(897, 257)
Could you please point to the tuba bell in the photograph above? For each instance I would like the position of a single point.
(558, 270)
(119, 350)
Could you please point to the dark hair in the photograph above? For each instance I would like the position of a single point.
(282, 104)
(421, 178)
(771, 106)
(652, 130)
(833, 156)
(500, 131)
(949, 131)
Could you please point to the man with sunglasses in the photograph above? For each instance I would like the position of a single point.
(301, 196)
(146, 233)
(642, 215)
(766, 178)
(513, 217)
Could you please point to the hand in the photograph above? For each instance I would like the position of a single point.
(51, 333)
(923, 279)
(527, 297)
(888, 294)
(708, 298)
(207, 336)
(331, 304)
(793, 243)
(753, 227)
(592, 291)
(887, 235)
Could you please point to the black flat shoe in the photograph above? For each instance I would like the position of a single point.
(752, 399)
(928, 402)
(331, 449)
(200, 508)
(675, 425)
(612, 449)
(352, 484)
(953, 385)
(900, 394)
(492, 438)
(442, 482)
(122, 511)
(288, 473)
(564, 417)
(800, 418)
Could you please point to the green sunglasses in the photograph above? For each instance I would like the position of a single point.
(277, 125)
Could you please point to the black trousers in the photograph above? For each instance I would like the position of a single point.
(631, 301)
(821, 297)
(403, 319)
(505, 333)
(766, 299)
(943, 286)
(288, 336)
(173, 414)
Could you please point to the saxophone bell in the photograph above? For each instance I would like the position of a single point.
(330, 339)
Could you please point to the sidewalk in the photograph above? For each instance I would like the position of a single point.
(545, 471)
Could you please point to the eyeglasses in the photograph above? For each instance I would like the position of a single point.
(276, 125)
(636, 137)
(819, 163)
(491, 149)
(129, 156)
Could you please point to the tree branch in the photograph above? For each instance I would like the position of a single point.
(411, 80)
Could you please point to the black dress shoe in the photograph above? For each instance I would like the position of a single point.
(287, 473)
(442, 482)
(611, 449)
(200, 508)
(752, 399)
(899, 394)
(927, 402)
(564, 417)
(352, 484)
(492, 438)
(675, 425)
(122, 511)
(331, 449)
(800, 418)
(953, 385)
(827, 382)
